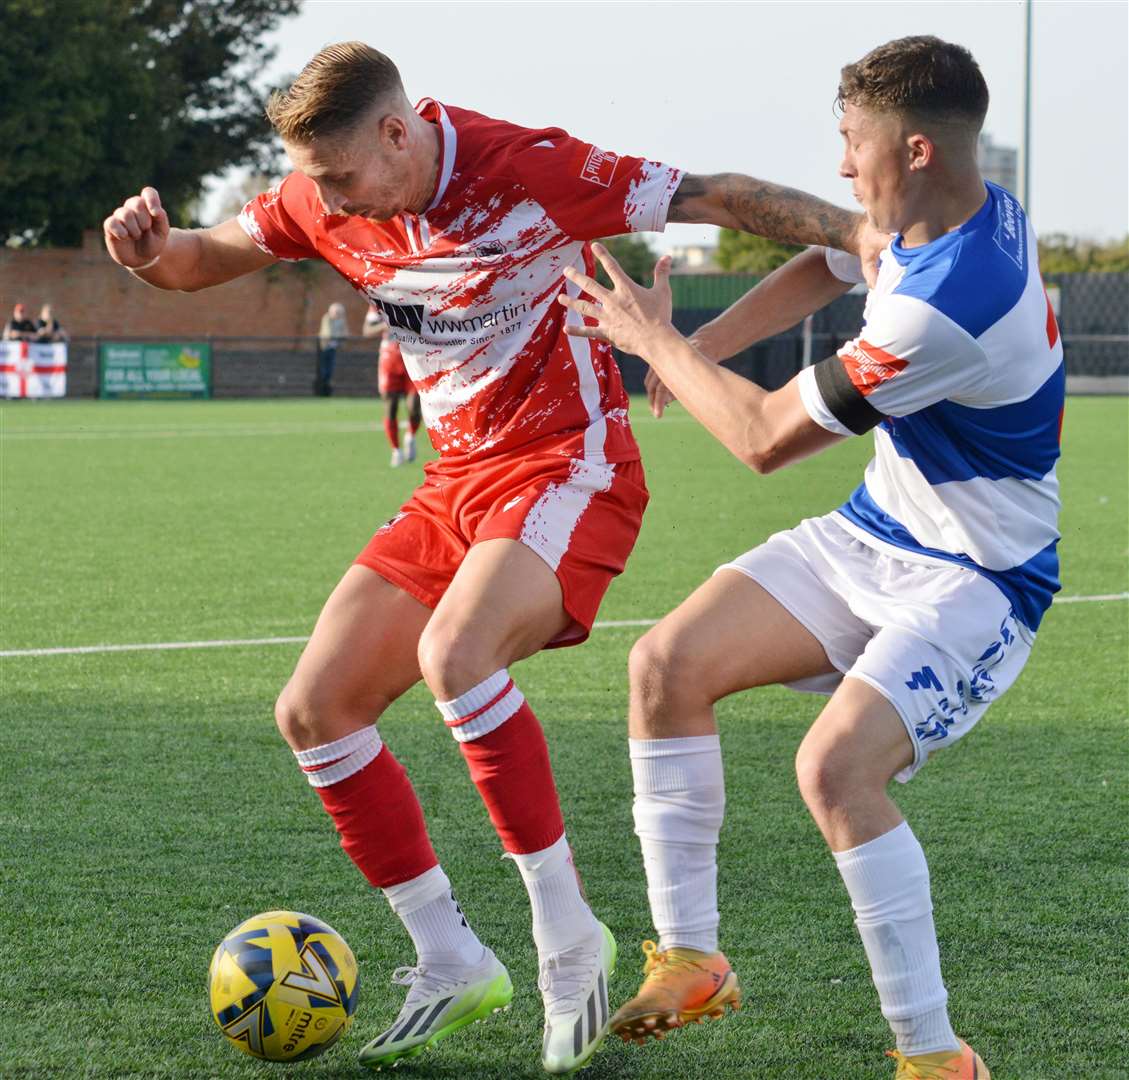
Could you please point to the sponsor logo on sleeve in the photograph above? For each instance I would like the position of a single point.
(1011, 229)
(599, 166)
(868, 366)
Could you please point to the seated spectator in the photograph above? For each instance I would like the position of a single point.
(48, 328)
(19, 327)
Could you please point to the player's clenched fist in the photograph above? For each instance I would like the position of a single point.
(137, 230)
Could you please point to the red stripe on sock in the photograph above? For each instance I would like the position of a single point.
(478, 712)
(510, 767)
(380, 822)
(324, 765)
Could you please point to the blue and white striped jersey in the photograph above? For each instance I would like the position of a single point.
(958, 369)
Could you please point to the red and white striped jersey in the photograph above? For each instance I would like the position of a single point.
(469, 286)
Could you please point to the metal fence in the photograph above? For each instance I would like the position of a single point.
(1094, 320)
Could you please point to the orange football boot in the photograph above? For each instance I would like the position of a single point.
(680, 986)
(962, 1064)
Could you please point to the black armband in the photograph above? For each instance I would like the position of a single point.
(843, 399)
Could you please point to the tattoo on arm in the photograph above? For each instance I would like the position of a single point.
(691, 187)
(756, 206)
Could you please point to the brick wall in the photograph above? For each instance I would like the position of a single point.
(93, 296)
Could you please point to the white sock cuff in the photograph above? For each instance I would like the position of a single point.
(336, 761)
(483, 708)
(887, 877)
(410, 896)
(660, 766)
(541, 864)
(690, 744)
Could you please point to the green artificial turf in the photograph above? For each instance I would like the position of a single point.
(149, 804)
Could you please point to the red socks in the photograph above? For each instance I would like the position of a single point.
(367, 793)
(509, 762)
(392, 430)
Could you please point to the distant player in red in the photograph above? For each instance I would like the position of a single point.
(459, 228)
(393, 383)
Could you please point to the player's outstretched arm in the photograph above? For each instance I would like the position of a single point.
(803, 285)
(736, 201)
(791, 292)
(138, 237)
(761, 429)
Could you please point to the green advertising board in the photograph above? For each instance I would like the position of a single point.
(180, 369)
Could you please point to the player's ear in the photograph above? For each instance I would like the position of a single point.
(393, 131)
(921, 151)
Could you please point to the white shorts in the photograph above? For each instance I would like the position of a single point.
(940, 642)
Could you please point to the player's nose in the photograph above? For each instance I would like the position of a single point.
(331, 203)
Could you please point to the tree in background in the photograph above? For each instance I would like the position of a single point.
(1061, 254)
(634, 254)
(104, 96)
(740, 252)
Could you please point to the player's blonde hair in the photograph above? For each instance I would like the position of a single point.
(332, 92)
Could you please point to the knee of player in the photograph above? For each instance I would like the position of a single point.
(450, 661)
(663, 670)
(306, 717)
(650, 663)
(294, 721)
(827, 776)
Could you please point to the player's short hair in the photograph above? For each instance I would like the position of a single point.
(923, 77)
(332, 92)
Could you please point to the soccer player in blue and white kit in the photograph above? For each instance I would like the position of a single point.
(915, 604)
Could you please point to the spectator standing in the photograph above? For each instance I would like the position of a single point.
(333, 328)
(19, 327)
(48, 328)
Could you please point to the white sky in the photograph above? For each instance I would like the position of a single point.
(748, 87)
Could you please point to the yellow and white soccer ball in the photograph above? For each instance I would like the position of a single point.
(283, 986)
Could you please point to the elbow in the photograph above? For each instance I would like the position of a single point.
(764, 451)
(763, 460)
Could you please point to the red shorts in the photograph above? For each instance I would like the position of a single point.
(581, 518)
(392, 376)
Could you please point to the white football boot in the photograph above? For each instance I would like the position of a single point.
(574, 987)
(439, 1002)
(409, 447)
(397, 458)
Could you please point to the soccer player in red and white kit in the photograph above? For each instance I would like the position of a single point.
(459, 228)
(394, 383)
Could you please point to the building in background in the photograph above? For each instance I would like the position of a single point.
(1000, 164)
(693, 258)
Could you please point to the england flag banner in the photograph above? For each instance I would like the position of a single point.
(32, 370)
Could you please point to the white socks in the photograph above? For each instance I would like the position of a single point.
(561, 915)
(679, 807)
(431, 915)
(888, 882)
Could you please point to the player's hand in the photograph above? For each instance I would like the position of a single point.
(627, 315)
(137, 231)
(871, 243)
(658, 396)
